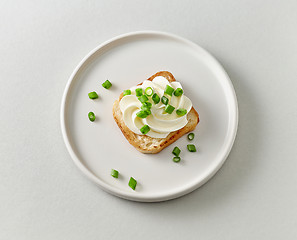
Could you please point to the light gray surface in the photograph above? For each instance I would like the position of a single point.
(44, 196)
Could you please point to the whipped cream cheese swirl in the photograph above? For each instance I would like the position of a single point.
(160, 122)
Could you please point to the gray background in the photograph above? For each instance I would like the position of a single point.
(42, 193)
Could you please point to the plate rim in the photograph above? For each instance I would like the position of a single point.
(132, 196)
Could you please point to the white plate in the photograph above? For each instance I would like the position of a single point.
(97, 147)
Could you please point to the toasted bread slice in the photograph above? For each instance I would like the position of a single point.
(146, 144)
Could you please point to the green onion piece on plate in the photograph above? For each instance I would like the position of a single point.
(126, 92)
(114, 173)
(149, 91)
(181, 111)
(92, 116)
(145, 129)
(93, 95)
(191, 136)
(143, 98)
(191, 148)
(164, 100)
(176, 151)
(178, 92)
(169, 109)
(138, 92)
(156, 98)
(176, 159)
(107, 84)
(169, 90)
(132, 183)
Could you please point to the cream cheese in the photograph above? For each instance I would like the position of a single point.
(160, 122)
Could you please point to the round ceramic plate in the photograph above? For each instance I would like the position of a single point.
(97, 147)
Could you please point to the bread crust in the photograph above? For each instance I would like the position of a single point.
(144, 143)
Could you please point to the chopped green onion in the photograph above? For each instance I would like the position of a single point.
(149, 91)
(91, 116)
(164, 100)
(126, 92)
(169, 90)
(181, 111)
(107, 84)
(145, 129)
(142, 114)
(191, 148)
(169, 109)
(147, 104)
(176, 159)
(191, 136)
(176, 151)
(93, 95)
(178, 92)
(146, 109)
(138, 92)
(114, 173)
(148, 112)
(132, 183)
(156, 98)
(143, 98)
